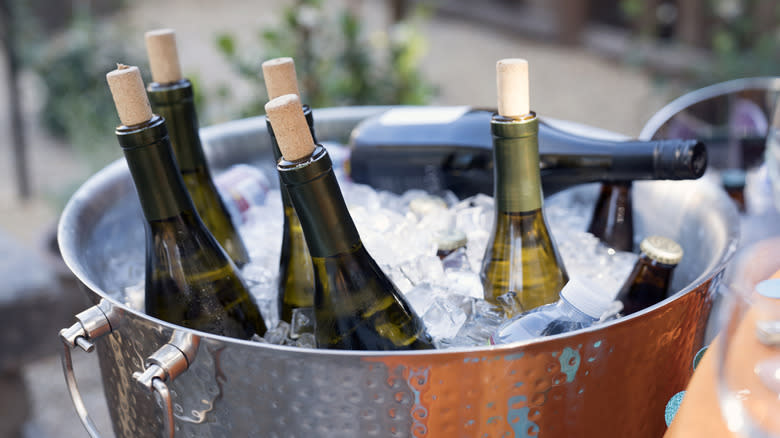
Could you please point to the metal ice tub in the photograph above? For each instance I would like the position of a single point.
(610, 380)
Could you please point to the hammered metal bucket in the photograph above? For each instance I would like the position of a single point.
(610, 380)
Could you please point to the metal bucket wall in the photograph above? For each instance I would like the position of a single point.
(612, 380)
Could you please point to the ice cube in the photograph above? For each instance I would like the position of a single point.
(482, 322)
(421, 297)
(466, 283)
(508, 302)
(255, 273)
(423, 269)
(266, 297)
(361, 194)
(458, 260)
(278, 334)
(444, 318)
(302, 322)
(398, 278)
(307, 340)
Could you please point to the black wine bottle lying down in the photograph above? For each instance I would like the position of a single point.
(450, 148)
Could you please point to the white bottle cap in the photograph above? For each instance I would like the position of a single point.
(587, 296)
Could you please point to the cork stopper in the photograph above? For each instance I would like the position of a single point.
(280, 78)
(290, 128)
(129, 94)
(512, 80)
(662, 249)
(163, 56)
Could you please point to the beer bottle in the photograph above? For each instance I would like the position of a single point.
(612, 220)
(651, 277)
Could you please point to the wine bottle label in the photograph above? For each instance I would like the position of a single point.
(427, 115)
(517, 182)
(175, 103)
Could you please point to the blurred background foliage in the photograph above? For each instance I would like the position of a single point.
(338, 62)
(342, 59)
(738, 38)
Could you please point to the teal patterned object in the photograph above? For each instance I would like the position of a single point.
(674, 403)
(699, 355)
(672, 407)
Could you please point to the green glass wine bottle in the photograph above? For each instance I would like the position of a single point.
(190, 279)
(172, 98)
(296, 273)
(521, 268)
(356, 306)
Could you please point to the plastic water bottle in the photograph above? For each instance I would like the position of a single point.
(581, 304)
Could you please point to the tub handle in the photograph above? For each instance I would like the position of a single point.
(167, 363)
(92, 324)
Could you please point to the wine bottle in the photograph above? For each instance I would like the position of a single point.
(296, 274)
(651, 277)
(172, 98)
(190, 279)
(450, 148)
(356, 306)
(612, 220)
(521, 268)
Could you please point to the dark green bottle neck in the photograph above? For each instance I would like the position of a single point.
(175, 103)
(517, 182)
(275, 146)
(158, 182)
(319, 204)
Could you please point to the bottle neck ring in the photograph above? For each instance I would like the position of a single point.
(517, 180)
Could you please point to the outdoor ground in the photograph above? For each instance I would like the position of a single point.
(566, 83)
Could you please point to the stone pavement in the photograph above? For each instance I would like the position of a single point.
(566, 83)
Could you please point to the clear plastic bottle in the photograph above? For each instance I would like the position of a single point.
(582, 303)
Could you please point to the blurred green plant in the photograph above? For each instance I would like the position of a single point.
(737, 38)
(739, 48)
(76, 107)
(337, 62)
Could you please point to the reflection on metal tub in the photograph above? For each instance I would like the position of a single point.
(610, 380)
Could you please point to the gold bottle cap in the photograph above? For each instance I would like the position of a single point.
(450, 239)
(662, 249)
